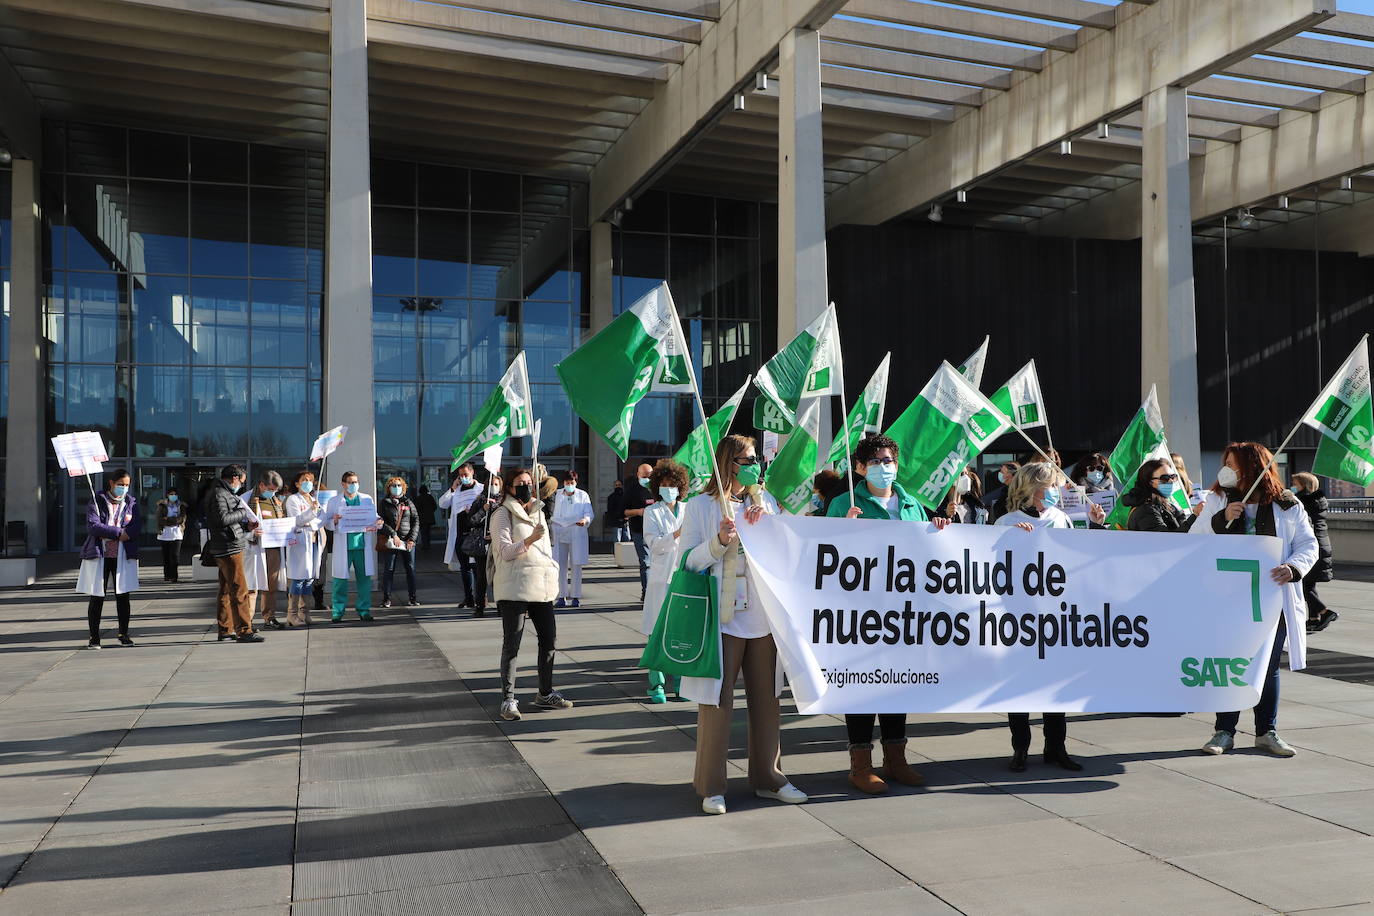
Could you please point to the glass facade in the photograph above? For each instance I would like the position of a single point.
(6, 246)
(712, 253)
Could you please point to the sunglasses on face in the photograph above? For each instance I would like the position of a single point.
(1165, 478)
(744, 462)
(1098, 467)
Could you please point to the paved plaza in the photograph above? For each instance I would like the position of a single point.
(362, 769)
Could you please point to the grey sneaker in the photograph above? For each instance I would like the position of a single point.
(1271, 743)
(1221, 743)
(510, 710)
(554, 700)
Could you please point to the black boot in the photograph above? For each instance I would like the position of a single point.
(1057, 755)
(1018, 760)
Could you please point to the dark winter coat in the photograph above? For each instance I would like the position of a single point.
(1149, 513)
(1315, 504)
(226, 519)
(400, 518)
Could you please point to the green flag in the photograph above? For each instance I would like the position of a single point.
(945, 427)
(1020, 398)
(506, 413)
(791, 473)
(972, 369)
(1143, 441)
(866, 416)
(1342, 413)
(641, 350)
(695, 454)
(810, 366)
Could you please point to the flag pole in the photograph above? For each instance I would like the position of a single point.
(1035, 445)
(844, 415)
(727, 511)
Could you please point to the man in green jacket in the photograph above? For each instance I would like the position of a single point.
(879, 496)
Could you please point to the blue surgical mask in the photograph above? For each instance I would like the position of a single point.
(643, 481)
(307, 486)
(669, 494)
(396, 491)
(817, 503)
(172, 498)
(1095, 477)
(268, 494)
(120, 491)
(1168, 488)
(570, 488)
(465, 481)
(351, 489)
(880, 475)
(1051, 497)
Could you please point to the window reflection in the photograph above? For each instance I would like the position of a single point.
(160, 427)
(219, 309)
(280, 414)
(162, 318)
(395, 417)
(278, 323)
(496, 256)
(219, 412)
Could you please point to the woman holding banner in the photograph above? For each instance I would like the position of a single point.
(109, 556)
(1151, 499)
(711, 545)
(1249, 498)
(879, 496)
(1032, 501)
(964, 502)
(303, 555)
(662, 531)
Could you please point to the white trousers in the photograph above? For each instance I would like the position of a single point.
(563, 554)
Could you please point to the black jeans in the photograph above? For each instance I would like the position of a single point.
(97, 605)
(892, 727)
(1056, 730)
(1267, 709)
(1315, 605)
(473, 571)
(513, 615)
(642, 552)
(171, 551)
(389, 571)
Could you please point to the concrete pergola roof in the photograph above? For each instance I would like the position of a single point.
(1018, 113)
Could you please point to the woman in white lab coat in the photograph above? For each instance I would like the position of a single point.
(109, 555)
(262, 566)
(662, 531)
(572, 517)
(356, 549)
(304, 551)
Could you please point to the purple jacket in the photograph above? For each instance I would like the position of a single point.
(97, 531)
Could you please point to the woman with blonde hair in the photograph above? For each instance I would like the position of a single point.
(1249, 498)
(400, 527)
(1195, 493)
(304, 552)
(710, 543)
(1032, 502)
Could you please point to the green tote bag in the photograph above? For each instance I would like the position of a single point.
(686, 638)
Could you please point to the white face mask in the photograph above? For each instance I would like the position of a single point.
(963, 485)
(1228, 478)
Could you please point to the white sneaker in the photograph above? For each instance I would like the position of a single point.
(788, 793)
(1221, 742)
(554, 700)
(1271, 743)
(713, 804)
(510, 710)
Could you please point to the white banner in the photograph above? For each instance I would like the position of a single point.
(895, 617)
(80, 453)
(326, 443)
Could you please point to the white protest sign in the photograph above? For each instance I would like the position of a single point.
(327, 442)
(275, 531)
(895, 617)
(357, 518)
(1073, 502)
(80, 453)
(1104, 498)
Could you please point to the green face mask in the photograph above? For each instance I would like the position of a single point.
(748, 474)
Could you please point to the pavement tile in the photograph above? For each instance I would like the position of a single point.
(1349, 809)
(1304, 876)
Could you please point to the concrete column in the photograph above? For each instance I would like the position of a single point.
(348, 299)
(803, 288)
(26, 439)
(604, 466)
(1168, 340)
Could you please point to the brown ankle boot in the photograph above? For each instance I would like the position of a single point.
(861, 775)
(896, 768)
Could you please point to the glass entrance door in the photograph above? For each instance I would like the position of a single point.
(151, 483)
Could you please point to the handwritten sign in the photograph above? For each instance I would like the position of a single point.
(275, 531)
(80, 453)
(358, 518)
